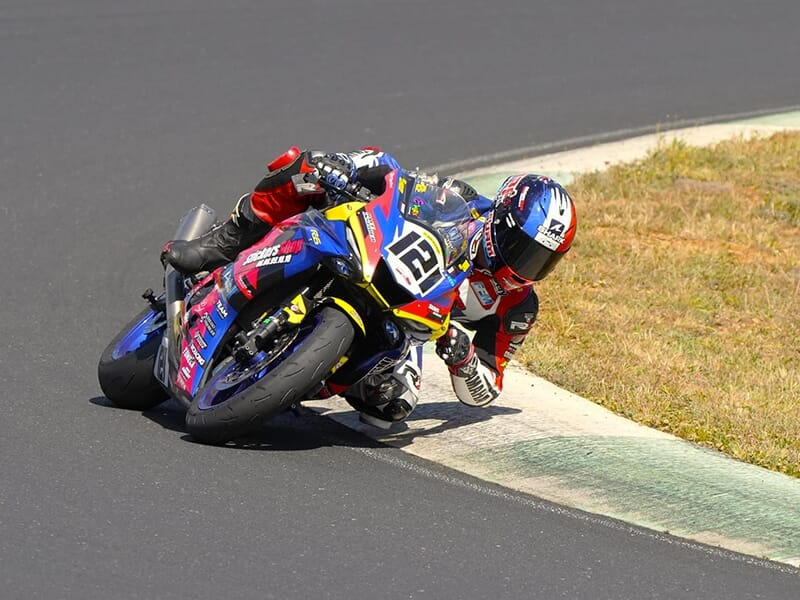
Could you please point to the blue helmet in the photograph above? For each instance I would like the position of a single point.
(529, 229)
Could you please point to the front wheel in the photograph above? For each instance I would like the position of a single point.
(238, 398)
(125, 371)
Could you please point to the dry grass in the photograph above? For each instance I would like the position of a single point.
(679, 305)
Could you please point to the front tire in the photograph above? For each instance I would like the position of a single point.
(237, 399)
(125, 371)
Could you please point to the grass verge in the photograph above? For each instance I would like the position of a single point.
(679, 305)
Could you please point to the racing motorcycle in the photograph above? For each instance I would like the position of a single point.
(326, 298)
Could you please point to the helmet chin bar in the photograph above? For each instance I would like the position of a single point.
(509, 280)
(485, 260)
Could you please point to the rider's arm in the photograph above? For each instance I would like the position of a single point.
(477, 378)
(278, 196)
(283, 192)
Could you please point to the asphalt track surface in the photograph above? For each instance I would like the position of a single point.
(115, 117)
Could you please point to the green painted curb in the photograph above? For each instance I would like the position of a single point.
(663, 484)
(791, 119)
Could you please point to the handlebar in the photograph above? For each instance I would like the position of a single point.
(353, 190)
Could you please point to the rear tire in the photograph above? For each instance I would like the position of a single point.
(125, 371)
(309, 360)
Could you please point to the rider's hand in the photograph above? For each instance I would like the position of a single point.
(335, 171)
(455, 348)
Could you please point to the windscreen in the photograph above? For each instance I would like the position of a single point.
(441, 211)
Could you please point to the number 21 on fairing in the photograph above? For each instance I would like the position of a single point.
(417, 260)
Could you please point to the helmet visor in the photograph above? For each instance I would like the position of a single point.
(526, 257)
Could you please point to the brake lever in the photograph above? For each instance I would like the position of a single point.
(359, 192)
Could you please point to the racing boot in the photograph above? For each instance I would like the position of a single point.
(387, 398)
(220, 245)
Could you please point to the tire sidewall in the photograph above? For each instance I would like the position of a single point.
(128, 380)
(286, 383)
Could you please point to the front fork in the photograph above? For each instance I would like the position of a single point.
(290, 314)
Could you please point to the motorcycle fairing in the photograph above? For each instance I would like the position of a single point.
(204, 328)
(296, 245)
(412, 253)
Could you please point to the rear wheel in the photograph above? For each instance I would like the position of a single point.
(125, 371)
(238, 398)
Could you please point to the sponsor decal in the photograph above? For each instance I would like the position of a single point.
(498, 289)
(315, 237)
(281, 259)
(481, 389)
(200, 360)
(277, 254)
(519, 322)
(487, 238)
(187, 356)
(221, 310)
(518, 326)
(369, 226)
(199, 340)
(206, 319)
(483, 295)
(434, 242)
(552, 235)
(186, 372)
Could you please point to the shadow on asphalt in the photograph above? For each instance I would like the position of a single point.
(285, 432)
(451, 415)
(309, 430)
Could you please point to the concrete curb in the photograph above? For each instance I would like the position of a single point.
(543, 440)
(562, 166)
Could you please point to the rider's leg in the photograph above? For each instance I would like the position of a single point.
(220, 245)
(389, 397)
(275, 198)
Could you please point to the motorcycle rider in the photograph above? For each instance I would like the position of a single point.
(527, 228)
